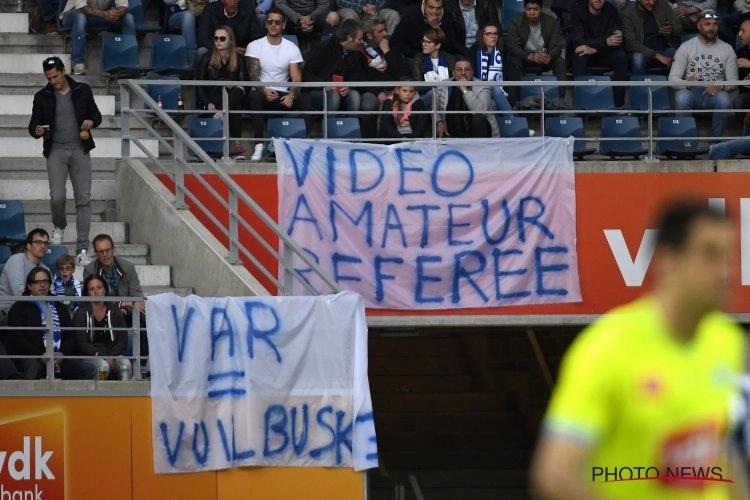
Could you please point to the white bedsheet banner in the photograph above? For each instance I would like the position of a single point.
(272, 381)
(435, 224)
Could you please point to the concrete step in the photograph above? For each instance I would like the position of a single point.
(18, 124)
(156, 290)
(38, 189)
(16, 22)
(30, 82)
(21, 105)
(149, 275)
(30, 43)
(28, 63)
(117, 230)
(106, 147)
(8, 165)
(137, 253)
(101, 210)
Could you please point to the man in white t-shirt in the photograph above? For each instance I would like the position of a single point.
(275, 59)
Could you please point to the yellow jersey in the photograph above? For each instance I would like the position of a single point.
(654, 409)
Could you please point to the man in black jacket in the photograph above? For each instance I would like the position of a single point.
(64, 112)
(236, 14)
(429, 14)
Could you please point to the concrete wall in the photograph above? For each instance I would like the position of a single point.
(177, 238)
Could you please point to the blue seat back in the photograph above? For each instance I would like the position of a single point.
(550, 91)
(659, 95)
(12, 220)
(566, 126)
(684, 130)
(288, 128)
(511, 8)
(169, 52)
(5, 253)
(292, 38)
(620, 127)
(343, 128)
(119, 51)
(208, 133)
(513, 126)
(593, 97)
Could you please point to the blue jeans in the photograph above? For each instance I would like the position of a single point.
(640, 63)
(729, 149)
(79, 22)
(500, 101)
(696, 98)
(184, 22)
(335, 102)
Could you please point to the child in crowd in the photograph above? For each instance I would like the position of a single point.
(401, 116)
(65, 283)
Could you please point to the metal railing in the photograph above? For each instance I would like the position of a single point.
(176, 165)
(139, 363)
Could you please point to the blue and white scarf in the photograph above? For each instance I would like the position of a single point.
(490, 66)
(56, 332)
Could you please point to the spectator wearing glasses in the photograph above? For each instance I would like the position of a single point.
(224, 63)
(433, 65)
(122, 281)
(275, 59)
(106, 14)
(707, 59)
(534, 43)
(17, 267)
(30, 323)
(63, 114)
(487, 63)
(652, 33)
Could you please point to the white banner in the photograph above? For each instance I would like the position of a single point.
(435, 224)
(272, 381)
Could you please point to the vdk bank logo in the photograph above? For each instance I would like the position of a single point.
(32, 452)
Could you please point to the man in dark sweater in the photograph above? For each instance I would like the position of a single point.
(597, 41)
(305, 16)
(236, 14)
(428, 14)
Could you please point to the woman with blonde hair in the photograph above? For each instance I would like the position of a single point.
(223, 63)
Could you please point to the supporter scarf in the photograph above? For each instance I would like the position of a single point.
(490, 66)
(442, 63)
(402, 116)
(374, 57)
(56, 333)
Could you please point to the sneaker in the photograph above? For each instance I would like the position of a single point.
(257, 152)
(532, 133)
(57, 236)
(51, 28)
(237, 152)
(83, 258)
(79, 69)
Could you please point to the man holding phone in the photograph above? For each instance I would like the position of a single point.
(652, 34)
(63, 113)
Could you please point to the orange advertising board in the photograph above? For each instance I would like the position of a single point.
(89, 448)
(614, 212)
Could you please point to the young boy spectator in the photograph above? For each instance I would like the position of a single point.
(65, 283)
(401, 118)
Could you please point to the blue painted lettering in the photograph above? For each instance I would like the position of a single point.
(419, 295)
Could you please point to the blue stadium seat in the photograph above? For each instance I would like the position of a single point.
(639, 95)
(566, 126)
(593, 97)
(12, 221)
(550, 91)
(288, 128)
(292, 38)
(169, 94)
(687, 36)
(621, 127)
(513, 126)
(685, 133)
(120, 57)
(53, 252)
(511, 8)
(343, 128)
(169, 56)
(208, 133)
(5, 253)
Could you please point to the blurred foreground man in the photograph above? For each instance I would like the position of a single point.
(645, 396)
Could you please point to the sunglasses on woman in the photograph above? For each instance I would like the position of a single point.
(220, 39)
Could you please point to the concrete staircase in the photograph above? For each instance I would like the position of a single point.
(22, 167)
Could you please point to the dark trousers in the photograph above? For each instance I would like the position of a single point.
(258, 103)
(236, 98)
(616, 58)
(478, 126)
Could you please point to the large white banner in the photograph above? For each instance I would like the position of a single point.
(272, 381)
(435, 224)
